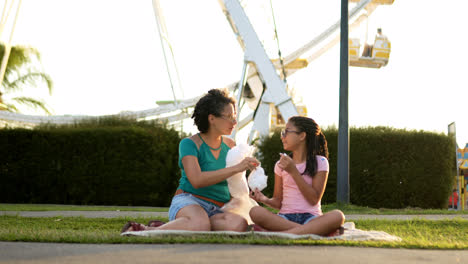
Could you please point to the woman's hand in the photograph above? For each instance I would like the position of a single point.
(258, 196)
(287, 164)
(247, 163)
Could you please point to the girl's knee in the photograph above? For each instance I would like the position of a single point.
(339, 216)
(255, 212)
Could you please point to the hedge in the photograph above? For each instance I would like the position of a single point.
(88, 164)
(135, 163)
(388, 168)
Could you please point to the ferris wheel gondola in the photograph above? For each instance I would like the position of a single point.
(376, 55)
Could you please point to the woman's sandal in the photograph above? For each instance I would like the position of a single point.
(134, 225)
(155, 223)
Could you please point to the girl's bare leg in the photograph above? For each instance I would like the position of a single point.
(322, 225)
(270, 221)
(228, 221)
(192, 218)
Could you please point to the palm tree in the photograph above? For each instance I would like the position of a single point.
(21, 72)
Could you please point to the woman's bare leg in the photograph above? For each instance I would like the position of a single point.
(270, 221)
(322, 225)
(228, 221)
(191, 217)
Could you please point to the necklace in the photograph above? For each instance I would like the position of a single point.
(218, 148)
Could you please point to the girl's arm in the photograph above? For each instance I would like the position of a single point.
(313, 194)
(200, 179)
(274, 202)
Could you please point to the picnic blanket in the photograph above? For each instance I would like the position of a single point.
(350, 233)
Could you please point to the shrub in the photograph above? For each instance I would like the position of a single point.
(122, 163)
(391, 168)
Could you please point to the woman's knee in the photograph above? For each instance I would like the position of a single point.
(239, 223)
(196, 217)
(229, 221)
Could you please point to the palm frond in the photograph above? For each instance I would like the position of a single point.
(8, 107)
(30, 78)
(19, 56)
(32, 103)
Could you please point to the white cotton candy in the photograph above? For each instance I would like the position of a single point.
(240, 202)
(237, 183)
(257, 179)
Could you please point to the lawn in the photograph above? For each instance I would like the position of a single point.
(416, 233)
(419, 233)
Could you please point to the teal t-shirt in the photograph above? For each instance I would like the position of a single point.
(207, 162)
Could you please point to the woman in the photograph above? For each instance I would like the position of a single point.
(203, 188)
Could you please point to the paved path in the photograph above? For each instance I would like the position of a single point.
(20, 252)
(111, 214)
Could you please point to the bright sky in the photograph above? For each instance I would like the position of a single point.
(105, 57)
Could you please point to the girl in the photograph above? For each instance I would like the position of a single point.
(203, 187)
(300, 181)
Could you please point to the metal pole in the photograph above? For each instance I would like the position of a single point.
(452, 131)
(342, 183)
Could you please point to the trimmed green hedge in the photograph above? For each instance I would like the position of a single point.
(389, 168)
(92, 164)
(121, 162)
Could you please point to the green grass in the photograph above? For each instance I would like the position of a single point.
(444, 234)
(60, 207)
(347, 209)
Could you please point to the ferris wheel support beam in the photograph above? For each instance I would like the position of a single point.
(254, 52)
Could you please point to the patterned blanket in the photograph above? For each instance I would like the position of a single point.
(350, 233)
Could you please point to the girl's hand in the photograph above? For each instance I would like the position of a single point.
(247, 163)
(258, 196)
(286, 163)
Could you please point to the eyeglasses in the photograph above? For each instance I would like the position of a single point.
(229, 118)
(285, 132)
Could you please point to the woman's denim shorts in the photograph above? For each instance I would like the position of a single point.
(185, 199)
(300, 218)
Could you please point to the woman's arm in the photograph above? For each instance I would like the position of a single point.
(200, 179)
(313, 194)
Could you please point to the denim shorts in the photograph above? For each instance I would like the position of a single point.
(300, 218)
(185, 199)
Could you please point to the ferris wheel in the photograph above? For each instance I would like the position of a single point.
(261, 89)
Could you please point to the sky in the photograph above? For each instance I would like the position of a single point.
(105, 57)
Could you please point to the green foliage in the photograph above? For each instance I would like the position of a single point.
(90, 163)
(391, 168)
(23, 71)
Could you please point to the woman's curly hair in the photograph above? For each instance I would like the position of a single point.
(212, 103)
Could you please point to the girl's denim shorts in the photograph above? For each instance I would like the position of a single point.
(185, 199)
(300, 218)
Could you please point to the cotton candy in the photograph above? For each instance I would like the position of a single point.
(257, 179)
(240, 202)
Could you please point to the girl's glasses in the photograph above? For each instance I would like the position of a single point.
(285, 132)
